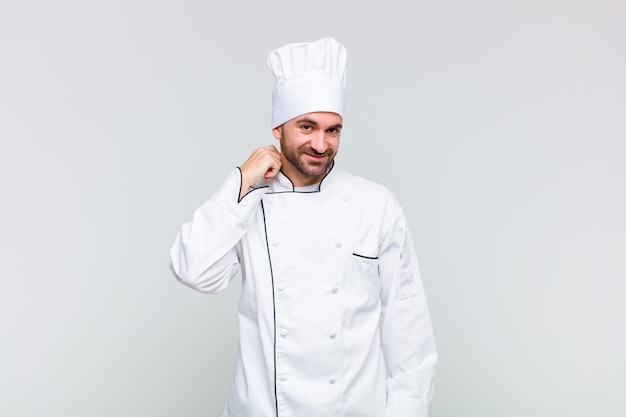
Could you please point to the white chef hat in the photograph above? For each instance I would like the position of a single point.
(310, 77)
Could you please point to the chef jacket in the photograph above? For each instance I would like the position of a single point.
(333, 320)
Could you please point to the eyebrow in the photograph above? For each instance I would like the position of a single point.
(314, 123)
(307, 122)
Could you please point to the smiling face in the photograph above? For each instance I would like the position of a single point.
(308, 145)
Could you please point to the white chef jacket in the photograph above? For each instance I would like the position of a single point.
(333, 320)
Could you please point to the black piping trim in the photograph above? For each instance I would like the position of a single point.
(293, 192)
(293, 187)
(269, 258)
(255, 188)
(331, 168)
(240, 185)
(249, 191)
(366, 257)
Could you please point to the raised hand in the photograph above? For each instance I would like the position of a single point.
(263, 163)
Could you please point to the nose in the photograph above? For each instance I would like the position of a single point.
(318, 142)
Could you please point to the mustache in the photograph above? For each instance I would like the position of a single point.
(316, 153)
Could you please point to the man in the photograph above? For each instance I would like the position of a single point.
(332, 318)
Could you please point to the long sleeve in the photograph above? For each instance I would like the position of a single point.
(204, 255)
(407, 336)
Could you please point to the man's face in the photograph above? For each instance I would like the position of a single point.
(308, 145)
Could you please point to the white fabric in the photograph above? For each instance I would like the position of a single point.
(339, 293)
(310, 77)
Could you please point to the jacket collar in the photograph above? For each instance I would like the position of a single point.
(282, 184)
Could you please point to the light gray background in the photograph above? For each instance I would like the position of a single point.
(499, 125)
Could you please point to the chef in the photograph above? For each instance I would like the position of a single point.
(333, 320)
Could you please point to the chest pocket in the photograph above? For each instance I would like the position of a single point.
(362, 279)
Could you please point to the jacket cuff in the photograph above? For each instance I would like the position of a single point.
(407, 407)
(228, 197)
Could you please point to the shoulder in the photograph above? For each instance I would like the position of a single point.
(364, 189)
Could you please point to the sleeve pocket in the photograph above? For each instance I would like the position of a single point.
(408, 289)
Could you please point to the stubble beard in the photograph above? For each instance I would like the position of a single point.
(294, 156)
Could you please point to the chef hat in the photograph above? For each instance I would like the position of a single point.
(310, 77)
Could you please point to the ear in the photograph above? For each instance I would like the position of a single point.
(278, 133)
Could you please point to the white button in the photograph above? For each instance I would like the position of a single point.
(346, 198)
(338, 244)
(283, 378)
(334, 290)
(331, 381)
(275, 243)
(333, 335)
(284, 332)
(267, 200)
(281, 287)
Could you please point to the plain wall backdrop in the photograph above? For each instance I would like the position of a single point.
(500, 126)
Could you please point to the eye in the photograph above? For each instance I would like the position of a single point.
(333, 131)
(306, 128)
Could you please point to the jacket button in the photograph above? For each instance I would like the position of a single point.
(338, 244)
(281, 287)
(275, 243)
(333, 335)
(284, 332)
(331, 381)
(334, 290)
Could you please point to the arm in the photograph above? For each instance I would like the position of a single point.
(407, 336)
(204, 255)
